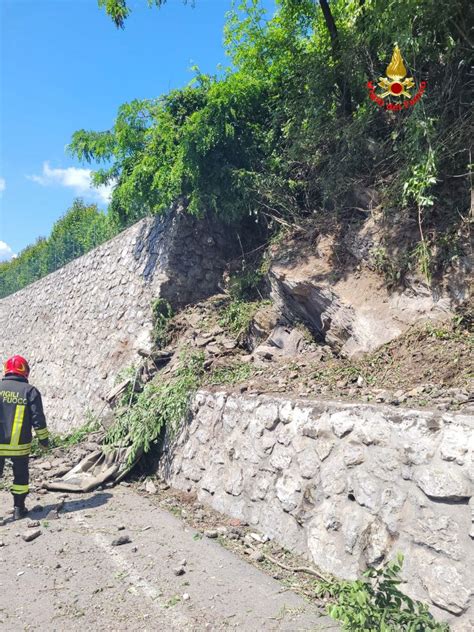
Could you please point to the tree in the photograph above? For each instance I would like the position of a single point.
(82, 228)
(119, 10)
(289, 130)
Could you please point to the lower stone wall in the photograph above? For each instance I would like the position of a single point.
(346, 485)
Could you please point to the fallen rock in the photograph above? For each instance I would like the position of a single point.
(211, 533)
(33, 523)
(123, 539)
(150, 487)
(264, 352)
(257, 556)
(179, 570)
(289, 342)
(29, 536)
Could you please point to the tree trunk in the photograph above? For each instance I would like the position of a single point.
(346, 97)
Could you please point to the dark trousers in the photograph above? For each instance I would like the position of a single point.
(21, 477)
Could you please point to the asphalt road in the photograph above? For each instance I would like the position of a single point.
(71, 578)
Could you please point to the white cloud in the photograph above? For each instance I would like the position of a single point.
(6, 253)
(3, 185)
(77, 179)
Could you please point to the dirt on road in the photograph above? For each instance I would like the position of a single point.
(168, 577)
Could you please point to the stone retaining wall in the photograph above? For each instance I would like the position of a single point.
(82, 324)
(347, 485)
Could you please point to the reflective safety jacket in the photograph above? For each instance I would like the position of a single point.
(21, 409)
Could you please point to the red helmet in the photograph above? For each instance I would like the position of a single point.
(17, 365)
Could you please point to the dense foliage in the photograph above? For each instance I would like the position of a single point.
(288, 130)
(376, 604)
(163, 403)
(119, 10)
(82, 228)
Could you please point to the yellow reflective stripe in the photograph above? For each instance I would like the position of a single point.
(17, 424)
(42, 433)
(19, 489)
(9, 450)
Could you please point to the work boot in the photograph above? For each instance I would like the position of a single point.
(19, 513)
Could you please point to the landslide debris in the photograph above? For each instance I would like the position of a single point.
(429, 365)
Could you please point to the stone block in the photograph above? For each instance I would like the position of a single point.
(288, 491)
(353, 454)
(437, 532)
(448, 584)
(281, 458)
(445, 482)
(342, 423)
(365, 489)
(454, 445)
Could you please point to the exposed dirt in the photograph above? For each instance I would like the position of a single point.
(429, 365)
(167, 577)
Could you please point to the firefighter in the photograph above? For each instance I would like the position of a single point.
(21, 409)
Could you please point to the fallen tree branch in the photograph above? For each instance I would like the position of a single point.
(297, 569)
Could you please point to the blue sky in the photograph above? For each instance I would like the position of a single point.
(64, 66)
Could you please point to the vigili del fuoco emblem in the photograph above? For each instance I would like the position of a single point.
(395, 86)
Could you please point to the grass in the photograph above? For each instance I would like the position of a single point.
(172, 601)
(162, 313)
(66, 441)
(237, 315)
(230, 375)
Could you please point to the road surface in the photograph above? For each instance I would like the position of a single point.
(71, 578)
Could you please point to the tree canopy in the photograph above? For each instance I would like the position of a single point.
(82, 228)
(289, 127)
(119, 10)
(288, 130)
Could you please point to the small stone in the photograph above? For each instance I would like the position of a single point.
(121, 527)
(261, 539)
(123, 539)
(211, 533)
(214, 349)
(32, 524)
(186, 597)
(134, 549)
(257, 556)
(150, 487)
(416, 392)
(179, 570)
(183, 562)
(2, 543)
(29, 536)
